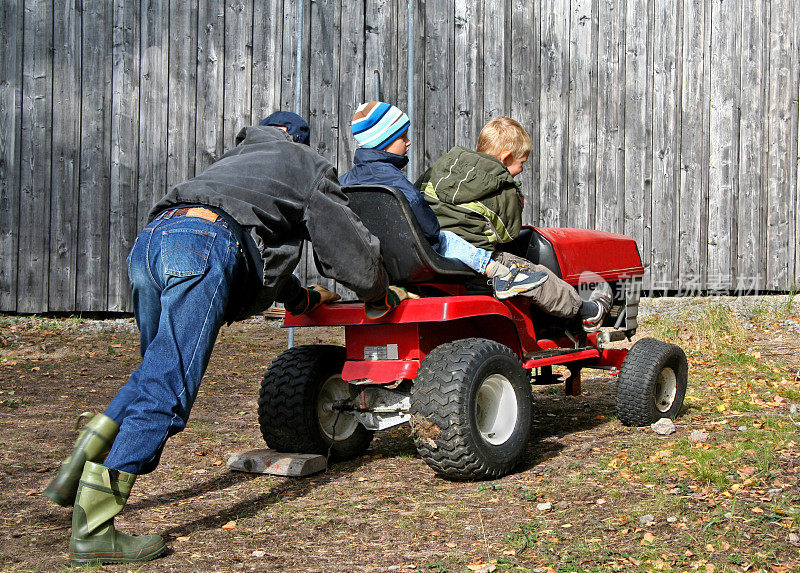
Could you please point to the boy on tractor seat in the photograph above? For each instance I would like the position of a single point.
(381, 131)
(474, 195)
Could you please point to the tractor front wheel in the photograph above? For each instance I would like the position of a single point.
(652, 382)
(471, 409)
(300, 405)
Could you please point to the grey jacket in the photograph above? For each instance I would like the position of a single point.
(282, 193)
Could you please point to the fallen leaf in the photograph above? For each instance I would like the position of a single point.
(182, 538)
(648, 538)
(229, 525)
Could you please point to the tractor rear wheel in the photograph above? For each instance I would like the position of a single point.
(299, 405)
(471, 409)
(652, 382)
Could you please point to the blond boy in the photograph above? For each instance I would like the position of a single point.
(474, 195)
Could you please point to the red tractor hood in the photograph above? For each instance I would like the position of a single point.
(609, 255)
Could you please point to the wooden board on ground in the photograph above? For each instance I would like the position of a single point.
(266, 461)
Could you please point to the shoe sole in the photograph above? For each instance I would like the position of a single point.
(111, 558)
(516, 291)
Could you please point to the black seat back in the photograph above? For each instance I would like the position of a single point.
(531, 245)
(407, 256)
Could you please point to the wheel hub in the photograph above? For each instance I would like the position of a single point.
(334, 422)
(665, 390)
(496, 409)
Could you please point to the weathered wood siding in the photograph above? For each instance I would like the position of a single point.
(672, 121)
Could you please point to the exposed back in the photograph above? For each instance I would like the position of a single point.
(407, 256)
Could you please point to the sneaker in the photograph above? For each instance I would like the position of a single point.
(517, 282)
(603, 298)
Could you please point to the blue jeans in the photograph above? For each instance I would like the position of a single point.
(451, 246)
(181, 270)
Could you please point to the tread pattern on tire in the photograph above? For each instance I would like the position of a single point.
(437, 397)
(645, 359)
(287, 403)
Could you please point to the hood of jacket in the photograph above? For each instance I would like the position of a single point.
(462, 175)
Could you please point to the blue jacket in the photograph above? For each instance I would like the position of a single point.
(378, 167)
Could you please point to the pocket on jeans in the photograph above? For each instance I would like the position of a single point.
(184, 252)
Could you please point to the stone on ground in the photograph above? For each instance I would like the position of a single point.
(266, 461)
(663, 427)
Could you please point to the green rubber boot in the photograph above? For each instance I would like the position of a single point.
(92, 445)
(101, 496)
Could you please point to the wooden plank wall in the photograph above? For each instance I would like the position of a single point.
(672, 121)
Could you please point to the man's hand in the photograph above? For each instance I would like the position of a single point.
(315, 295)
(394, 296)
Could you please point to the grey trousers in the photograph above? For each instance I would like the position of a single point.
(554, 296)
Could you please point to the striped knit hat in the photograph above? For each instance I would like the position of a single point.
(377, 124)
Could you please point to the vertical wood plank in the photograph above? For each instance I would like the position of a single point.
(401, 65)
(666, 142)
(95, 158)
(723, 186)
(495, 61)
(438, 104)
(419, 152)
(794, 277)
(290, 74)
(64, 203)
(694, 146)
(609, 190)
(267, 41)
(468, 71)
(36, 156)
(182, 87)
(582, 113)
(525, 89)
(751, 256)
(238, 65)
(780, 222)
(210, 82)
(153, 81)
(638, 127)
(10, 164)
(323, 100)
(351, 81)
(554, 70)
(124, 150)
(380, 17)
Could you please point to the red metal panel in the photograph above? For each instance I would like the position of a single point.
(379, 371)
(430, 309)
(405, 336)
(609, 255)
(561, 359)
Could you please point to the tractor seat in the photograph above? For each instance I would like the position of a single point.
(407, 255)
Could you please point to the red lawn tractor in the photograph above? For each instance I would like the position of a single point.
(457, 363)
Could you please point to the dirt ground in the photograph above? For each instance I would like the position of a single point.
(386, 511)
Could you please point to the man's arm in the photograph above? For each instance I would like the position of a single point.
(344, 248)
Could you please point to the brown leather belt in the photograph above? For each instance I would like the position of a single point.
(199, 212)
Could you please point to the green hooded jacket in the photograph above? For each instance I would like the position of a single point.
(474, 196)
